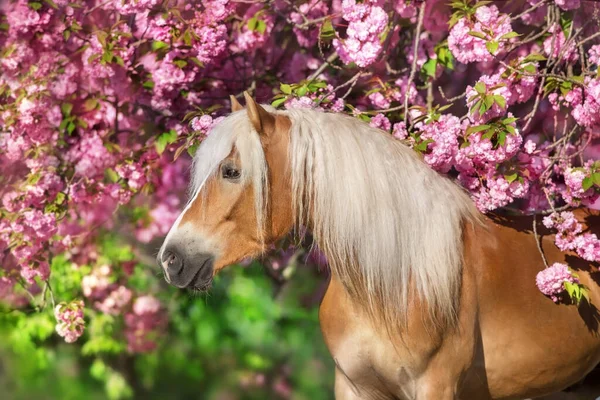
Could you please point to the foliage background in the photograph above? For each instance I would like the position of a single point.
(251, 337)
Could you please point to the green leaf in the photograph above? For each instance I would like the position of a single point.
(261, 27)
(488, 102)
(66, 34)
(422, 146)
(119, 60)
(570, 288)
(187, 38)
(149, 84)
(98, 369)
(587, 183)
(157, 45)
(500, 100)
(429, 67)
(180, 63)
(285, 88)
(51, 4)
(479, 35)
(70, 127)
(278, 102)
(66, 109)
(327, 31)
(511, 178)
(502, 138)
(445, 57)
(4, 26)
(534, 57)
(529, 68)
(101, 36)
(302, 90)
(596, 178)
(35, 5)
(112, 175)
(492, 46)
(192, 150)
(90, 104)
(480, 87)
(509, 35)
(477, 105)
(165, 139)
(475, 129)
(252, 23)
(197, 62)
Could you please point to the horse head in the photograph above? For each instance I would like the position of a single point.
(240, 197)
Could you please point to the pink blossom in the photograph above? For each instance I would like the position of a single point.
(537, 16)
(379, 100)
(311, 10)
(586, 110)
(144, 324)
(70, 323)
(202, 124)
(594, 54)
(115, 302)
(529, 146)
(555, 46)
(90, 156)
(366, 23)
(133, 173)
(380, 121)
(399, 130)
(550, 281)
(96, 284)
(568, 4)
(444, 135)
(569, 237)
(468, 48)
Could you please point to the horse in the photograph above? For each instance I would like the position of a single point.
(427, 298)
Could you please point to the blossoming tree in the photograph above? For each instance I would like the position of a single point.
(101, 102)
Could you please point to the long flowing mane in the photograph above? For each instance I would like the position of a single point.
(388, 224)
(383, 218)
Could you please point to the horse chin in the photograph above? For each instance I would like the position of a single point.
(201, 287)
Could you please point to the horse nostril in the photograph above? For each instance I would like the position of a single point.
(173, 262)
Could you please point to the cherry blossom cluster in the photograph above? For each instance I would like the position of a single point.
(570, 236)
(469, 37)
(551, 281)
(69, 317)
(143, 324)
(366, 22)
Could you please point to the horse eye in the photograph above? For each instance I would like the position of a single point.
(230, 172)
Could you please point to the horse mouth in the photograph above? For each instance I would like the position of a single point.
(201, 286)
(202, 280)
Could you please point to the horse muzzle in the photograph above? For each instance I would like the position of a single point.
(183, 270)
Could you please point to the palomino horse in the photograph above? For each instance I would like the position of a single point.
(427, 299)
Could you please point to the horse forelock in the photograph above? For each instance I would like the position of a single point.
(234, 133)
(383, 218)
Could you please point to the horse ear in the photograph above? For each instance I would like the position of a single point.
(235, 105)
(261, 119)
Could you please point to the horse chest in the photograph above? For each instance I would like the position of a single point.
(367, 360)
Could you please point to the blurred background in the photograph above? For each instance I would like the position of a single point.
(255, 335)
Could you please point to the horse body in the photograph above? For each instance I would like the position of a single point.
(427, 300)
(511, 342)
